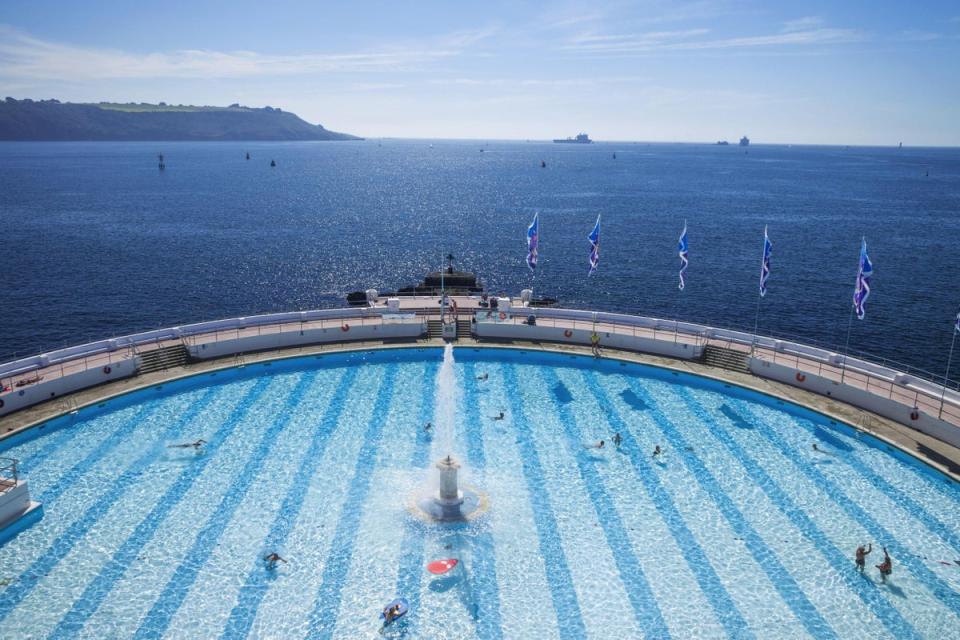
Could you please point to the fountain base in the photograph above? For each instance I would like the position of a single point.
(450, 503)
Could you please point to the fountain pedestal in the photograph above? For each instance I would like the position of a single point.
(449, 497)
(451, 503)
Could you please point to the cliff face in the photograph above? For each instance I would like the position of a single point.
(52, 120)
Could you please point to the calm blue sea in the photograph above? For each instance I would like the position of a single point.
(98, 242)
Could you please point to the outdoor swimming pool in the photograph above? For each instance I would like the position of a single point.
(739, 529)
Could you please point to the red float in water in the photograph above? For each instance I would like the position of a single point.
(440, 567)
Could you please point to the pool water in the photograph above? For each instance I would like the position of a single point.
(738, 529)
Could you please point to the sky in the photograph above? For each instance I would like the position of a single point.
(873, 73)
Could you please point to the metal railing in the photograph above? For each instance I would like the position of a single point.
(661, 332)
(880, 379)
(8, 474)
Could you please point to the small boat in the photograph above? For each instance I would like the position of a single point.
(248, 155)
(273, 163)
(543, 164)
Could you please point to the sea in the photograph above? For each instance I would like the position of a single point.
(97, 241)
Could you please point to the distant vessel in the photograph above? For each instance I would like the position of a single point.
(248, 155)
(722, 143)
(581, 138)
(273, 163)
(744, 141)
(543, 164)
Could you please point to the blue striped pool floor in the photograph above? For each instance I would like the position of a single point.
(748, 534)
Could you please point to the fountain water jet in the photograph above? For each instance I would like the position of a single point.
(451, 502)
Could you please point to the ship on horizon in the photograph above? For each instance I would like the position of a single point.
(744, 141)
(581, 138)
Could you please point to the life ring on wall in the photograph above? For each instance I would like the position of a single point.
(107, 370)
(800, 377)
(567, 333)
(915, 414)
(344, 327)
(503, 316)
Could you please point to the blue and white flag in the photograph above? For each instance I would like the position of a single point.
(765, 263)
(864, 272)
(533, 242)
(594, 239)
(683, 251)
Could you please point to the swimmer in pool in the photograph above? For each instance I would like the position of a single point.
(483, 376)
(499, 417)
(656, 451)
(595, 445)
(617, 439)
(427, 427)
(196, 445)
(272, 559)
(862, 556)
(885, 567)
(390, 614)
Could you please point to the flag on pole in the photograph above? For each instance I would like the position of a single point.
(594, 239)
(683, 251)
(533, 242)
(864, 272)
(765, 263)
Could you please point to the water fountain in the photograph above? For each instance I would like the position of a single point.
(451, 502)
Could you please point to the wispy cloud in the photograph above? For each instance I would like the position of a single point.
(915, 35)
(803, 24)
(24, 56)
(687, 40)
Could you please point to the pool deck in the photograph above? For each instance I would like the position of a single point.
(934, 452)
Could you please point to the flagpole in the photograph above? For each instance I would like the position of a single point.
(756, 316)
(946, 375)
(846, 346)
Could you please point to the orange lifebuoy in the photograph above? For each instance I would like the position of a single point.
(567, 333)
(503, 316)
(344, 327)
(800, 377)
(915, 414)
(106, 370)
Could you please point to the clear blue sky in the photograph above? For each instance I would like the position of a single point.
(816, 72)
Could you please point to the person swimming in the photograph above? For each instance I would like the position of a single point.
(390, 614)
(656, 451)
(499, 417)
(483, 376)
(885, 567)
(862, 556)
(594, 445)
(196, 445)
(427, 427)
(617, 439)
(272, 559)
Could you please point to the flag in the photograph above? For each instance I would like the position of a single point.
(864, 272)
(533, 242)
(594, 239)
(683, 251)
(765, 263)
